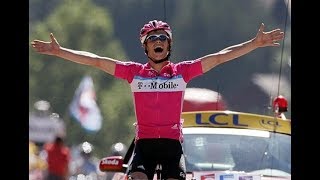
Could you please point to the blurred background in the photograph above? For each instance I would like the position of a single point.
(111, 28)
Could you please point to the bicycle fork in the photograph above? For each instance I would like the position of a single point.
(158, 171)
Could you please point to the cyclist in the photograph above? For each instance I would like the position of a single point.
(158, 88)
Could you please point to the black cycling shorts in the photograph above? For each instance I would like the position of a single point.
(167, 152)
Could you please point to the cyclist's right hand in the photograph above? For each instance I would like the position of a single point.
(44, 47)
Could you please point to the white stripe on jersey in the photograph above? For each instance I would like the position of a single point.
(158, 84)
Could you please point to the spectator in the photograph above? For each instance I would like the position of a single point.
(86, 165)
(58, 158)
(37, 165)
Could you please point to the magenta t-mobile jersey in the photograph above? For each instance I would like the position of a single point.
(158, 96)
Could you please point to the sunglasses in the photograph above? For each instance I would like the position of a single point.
(155, 37)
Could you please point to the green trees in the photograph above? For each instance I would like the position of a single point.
(83, 26)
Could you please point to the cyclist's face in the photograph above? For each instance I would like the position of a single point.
(157, 44)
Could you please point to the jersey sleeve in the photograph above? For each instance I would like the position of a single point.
(127, 70)
(190, 69)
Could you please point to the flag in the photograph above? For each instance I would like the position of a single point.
(84, 108)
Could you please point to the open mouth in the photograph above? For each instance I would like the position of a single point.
(158, 49)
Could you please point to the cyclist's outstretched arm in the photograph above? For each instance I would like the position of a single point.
(262, 39)
(82, 57)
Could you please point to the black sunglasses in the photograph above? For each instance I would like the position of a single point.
(155, 37)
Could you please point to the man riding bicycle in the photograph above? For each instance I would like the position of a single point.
(158, 88)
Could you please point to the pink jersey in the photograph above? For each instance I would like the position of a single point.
(158, 96)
